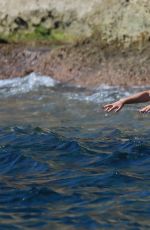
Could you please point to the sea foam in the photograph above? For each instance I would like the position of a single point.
(26, 84)
(34, 81)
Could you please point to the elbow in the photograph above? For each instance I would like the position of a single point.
(147, 95)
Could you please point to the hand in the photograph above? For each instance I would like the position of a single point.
(116, 106)
(146, 109)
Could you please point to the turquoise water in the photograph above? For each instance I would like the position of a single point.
(66, 164)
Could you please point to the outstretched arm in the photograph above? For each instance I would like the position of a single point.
(136, 98)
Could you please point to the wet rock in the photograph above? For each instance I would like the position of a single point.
(76, 65)
(105, 41)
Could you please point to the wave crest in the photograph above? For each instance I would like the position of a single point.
(26, 84)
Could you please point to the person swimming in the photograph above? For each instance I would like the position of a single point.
(136, 98)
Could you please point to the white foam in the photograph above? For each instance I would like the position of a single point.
(106, 93)
(24, 85)
(102, 93)
(33, 82)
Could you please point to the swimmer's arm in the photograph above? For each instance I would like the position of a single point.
(136, 98)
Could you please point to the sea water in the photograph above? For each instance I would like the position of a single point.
(65, 163)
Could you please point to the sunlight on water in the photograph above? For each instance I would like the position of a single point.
(65, 163)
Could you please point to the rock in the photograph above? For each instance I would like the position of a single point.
(109, 40)
(77, 65)
(124, 22)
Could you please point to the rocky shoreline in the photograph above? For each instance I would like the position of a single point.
(85, 43)
(83, 64)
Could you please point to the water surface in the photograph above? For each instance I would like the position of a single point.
(66, 164)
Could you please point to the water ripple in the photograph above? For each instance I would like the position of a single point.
(49, 179)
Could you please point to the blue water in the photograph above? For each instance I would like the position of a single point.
(66, 164)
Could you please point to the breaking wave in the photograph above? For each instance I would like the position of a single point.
(26, 84)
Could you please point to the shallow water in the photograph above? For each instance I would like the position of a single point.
(66, 164)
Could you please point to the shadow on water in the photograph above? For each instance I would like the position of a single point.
(65, 164)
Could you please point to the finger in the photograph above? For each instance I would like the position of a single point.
(108, 105)
(117, 110)
(142, 110)
(147, 110)
(111, 109)
(107, 109)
